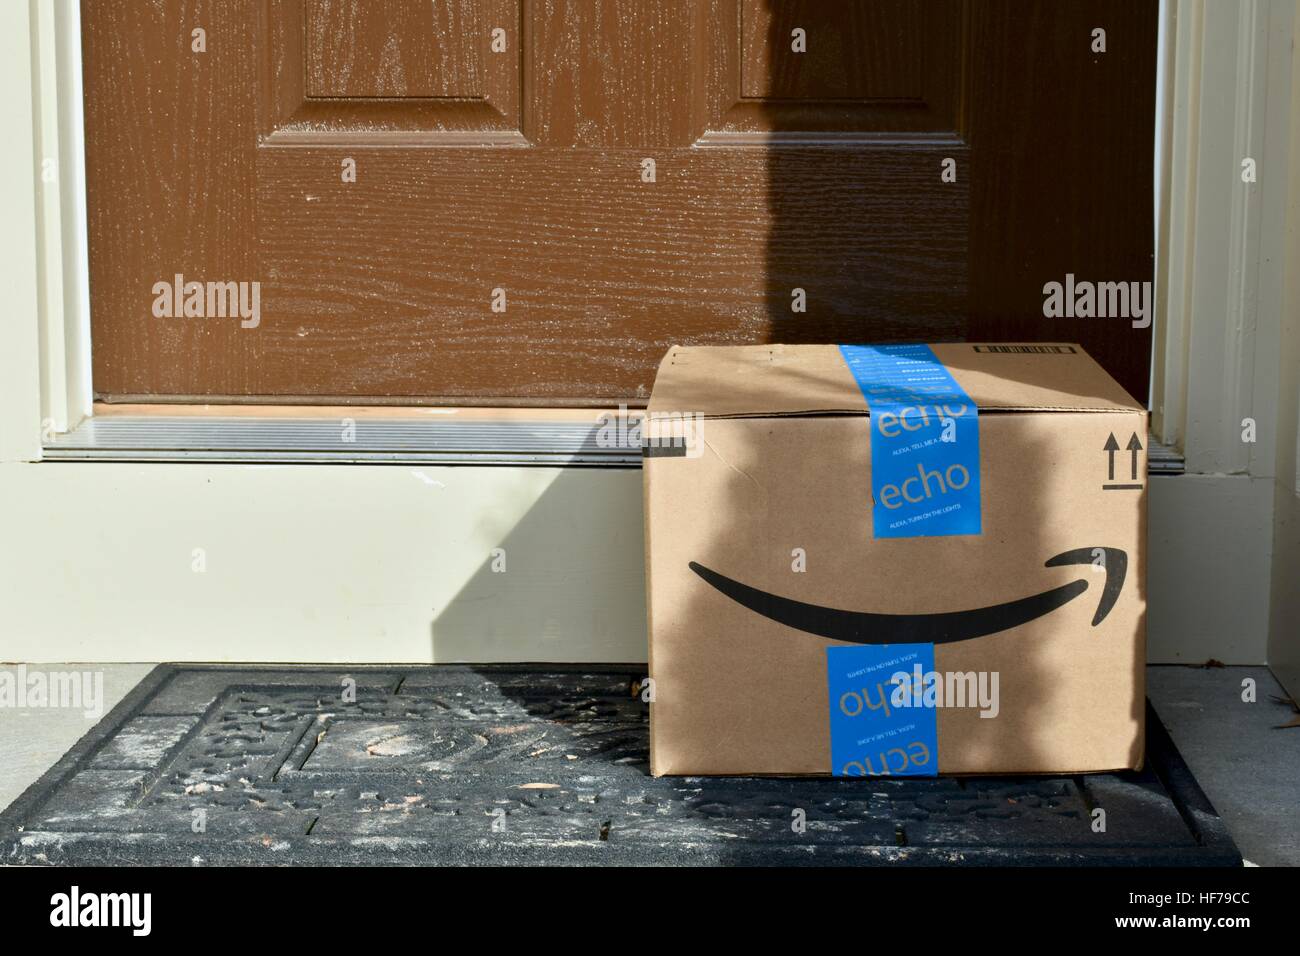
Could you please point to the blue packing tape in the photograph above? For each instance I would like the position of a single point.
(925, 444)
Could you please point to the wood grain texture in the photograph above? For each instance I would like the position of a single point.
(1061, 164)
(601, 272)
(399, 48)
(222, 167)
(609, 74)
(872, 71)
(864, 49)
(303, 48)
(170, 186)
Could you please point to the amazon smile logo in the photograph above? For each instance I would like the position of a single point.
(865, 627)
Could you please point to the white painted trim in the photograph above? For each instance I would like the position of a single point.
(1181, 27)
(1284, 629)
(363, 563)
(49, 222)
(20, 366)
(66, 393)
(1160, 173)
(1201, 602)
(1218, 270)
(1228, 335)
(1277, 350)
(72, 148)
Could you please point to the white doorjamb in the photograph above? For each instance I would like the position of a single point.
(1224, 537)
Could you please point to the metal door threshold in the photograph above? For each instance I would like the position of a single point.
(317, 440)
(189, 438)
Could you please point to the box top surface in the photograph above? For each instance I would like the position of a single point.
(770, 380)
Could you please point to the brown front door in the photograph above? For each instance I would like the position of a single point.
(527, 201)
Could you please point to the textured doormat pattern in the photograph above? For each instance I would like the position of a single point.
(532, 765)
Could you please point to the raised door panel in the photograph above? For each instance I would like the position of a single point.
(390, 72)
(398, 49)
(859, 71)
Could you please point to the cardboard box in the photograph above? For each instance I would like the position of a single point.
(996, 558)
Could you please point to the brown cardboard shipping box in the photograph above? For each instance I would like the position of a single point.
(766, 547)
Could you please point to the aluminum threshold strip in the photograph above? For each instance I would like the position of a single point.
(1163, 460)
(394, 441)
(371, 441)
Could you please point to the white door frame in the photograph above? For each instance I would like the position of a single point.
(1225, 538)
(369, 562)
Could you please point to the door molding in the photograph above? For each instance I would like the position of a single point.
(1220, 274)
(1228, 328)
(21, 248)
(64, 306)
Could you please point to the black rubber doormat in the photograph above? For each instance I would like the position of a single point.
(533, 765)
